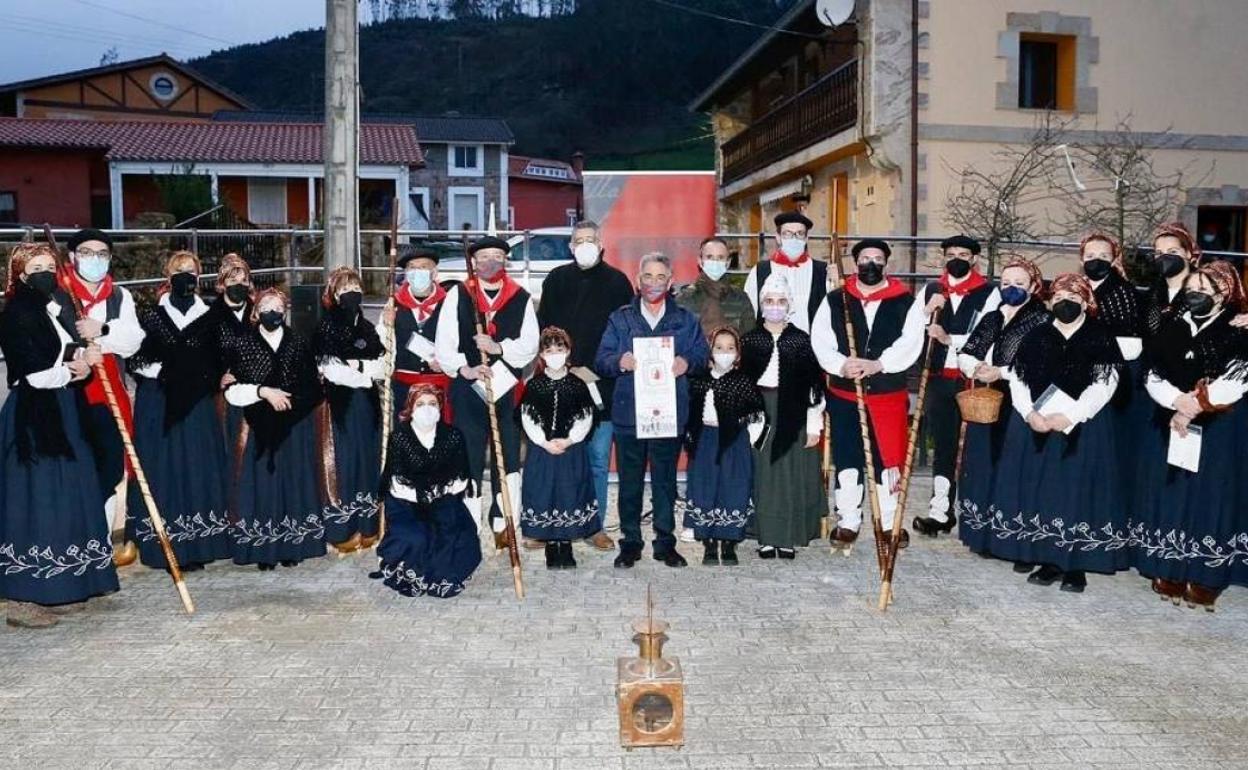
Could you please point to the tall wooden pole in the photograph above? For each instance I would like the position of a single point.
(341, 134)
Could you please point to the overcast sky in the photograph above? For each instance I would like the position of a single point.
(44, 37)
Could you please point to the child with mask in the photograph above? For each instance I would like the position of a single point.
(351, 358)
(558, 503)
(176, 432)
(431, 546)
(1056, 500)
(726, 416)
(277, 492)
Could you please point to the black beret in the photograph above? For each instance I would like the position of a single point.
(489, 242)
(793, 218)
(871, 243)
(960, 242)
(90, 234)
(408, 252)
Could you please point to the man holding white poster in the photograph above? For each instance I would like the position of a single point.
(649, 347)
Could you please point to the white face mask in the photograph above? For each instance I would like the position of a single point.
(586, 254)
(714, 269)
(419, 279)
(724, 361)
(555, 361)
(793, 247)
(425, 416)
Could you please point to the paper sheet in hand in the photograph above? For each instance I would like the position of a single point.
(1054, 400)
(654, 387)
(504, 381)
(421, 347)
(1184, 451)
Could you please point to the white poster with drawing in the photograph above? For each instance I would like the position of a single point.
(654, 386)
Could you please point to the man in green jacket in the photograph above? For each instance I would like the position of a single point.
(711, 298)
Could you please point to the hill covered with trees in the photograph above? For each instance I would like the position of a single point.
(612, 78)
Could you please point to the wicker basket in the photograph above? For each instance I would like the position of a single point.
(980, 405)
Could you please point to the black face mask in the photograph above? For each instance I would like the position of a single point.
(237, 293)
(1199, 303)
(349, 301)
(44, 283)
(871, 273)
(272, 319)
(183, 284)
(1097, 269)
(1170, 265)
(958, 267)
(1067, 310)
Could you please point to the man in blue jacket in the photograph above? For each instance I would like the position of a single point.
(654, 313)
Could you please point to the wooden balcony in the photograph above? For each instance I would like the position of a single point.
(827, 107)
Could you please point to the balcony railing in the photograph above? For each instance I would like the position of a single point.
(826, 107)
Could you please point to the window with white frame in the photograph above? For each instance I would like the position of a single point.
(465, 208)
(266, 200)
(466, 160)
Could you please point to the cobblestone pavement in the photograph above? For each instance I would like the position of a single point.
(788, 664)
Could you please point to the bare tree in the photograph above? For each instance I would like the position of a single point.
(1116, 187)
(111, 56)
(990, 199)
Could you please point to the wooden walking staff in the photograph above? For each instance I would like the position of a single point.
(387, 388)
(500, 463)
(158, 523)
(890, 563)
(877, 527)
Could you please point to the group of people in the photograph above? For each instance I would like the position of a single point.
(1116, 446)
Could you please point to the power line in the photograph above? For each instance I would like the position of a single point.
(99, 38)
(734, 20)
(157, 23)
(44, 26)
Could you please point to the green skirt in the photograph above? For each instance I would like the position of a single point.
(789, 498)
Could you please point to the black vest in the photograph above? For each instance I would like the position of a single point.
(970, 307)
(68, 316)
(890, 320)
(818, 286)
(405, 326)
(508, 322)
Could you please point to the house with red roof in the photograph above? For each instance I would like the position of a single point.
(544, 192)
(105, 173)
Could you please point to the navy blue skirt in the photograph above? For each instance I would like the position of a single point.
(357, 464)
(557, 498)
(1193, 527)
(719, 505)
(428, 549)
(277, 512)
(186, 471)
(54, 539)
(1055, 501)
(980, 454)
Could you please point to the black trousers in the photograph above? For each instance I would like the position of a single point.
(943, 424)
(106, 447)
(473, 421)
(632, 455)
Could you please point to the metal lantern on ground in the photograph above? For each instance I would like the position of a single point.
(650, 688)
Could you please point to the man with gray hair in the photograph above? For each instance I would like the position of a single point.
(578, 298)
(653, 313)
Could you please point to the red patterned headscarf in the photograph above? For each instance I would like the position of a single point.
(1115, 250)
(1079, 286)
(1033, 272)
(416, 391)
(1179, 230)
(1226, 280)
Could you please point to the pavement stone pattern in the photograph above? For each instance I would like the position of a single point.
(787, 664)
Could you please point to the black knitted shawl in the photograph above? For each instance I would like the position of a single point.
(556, 405)
(347, 337)
(993, 333)
(738, 402)
(801, 379)
(189, 369)
(291, 368)
(430, 472)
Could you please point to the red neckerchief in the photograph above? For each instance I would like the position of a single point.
(892, 288)
(780, 258)
(71, 282)
(422, 308)
(489, 310)
(94, 389)
(973, 281)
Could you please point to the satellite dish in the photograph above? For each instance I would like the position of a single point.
(833, 13)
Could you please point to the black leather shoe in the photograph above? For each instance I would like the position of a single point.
(552, 555)
(673, 559)
(710, 553)
(627, 559)
(266, 567)
(1047, 575)
(1074, 582)
(728, 554)
(289, 563)
(786, 553)
(566, 559)
(1023, 567)
(767, 552)
(931, 527)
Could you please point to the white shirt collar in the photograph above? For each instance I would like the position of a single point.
(274, 338)
(1071, 332)
(197, 308)
(1198, 327)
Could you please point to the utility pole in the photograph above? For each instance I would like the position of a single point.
(341, 135)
